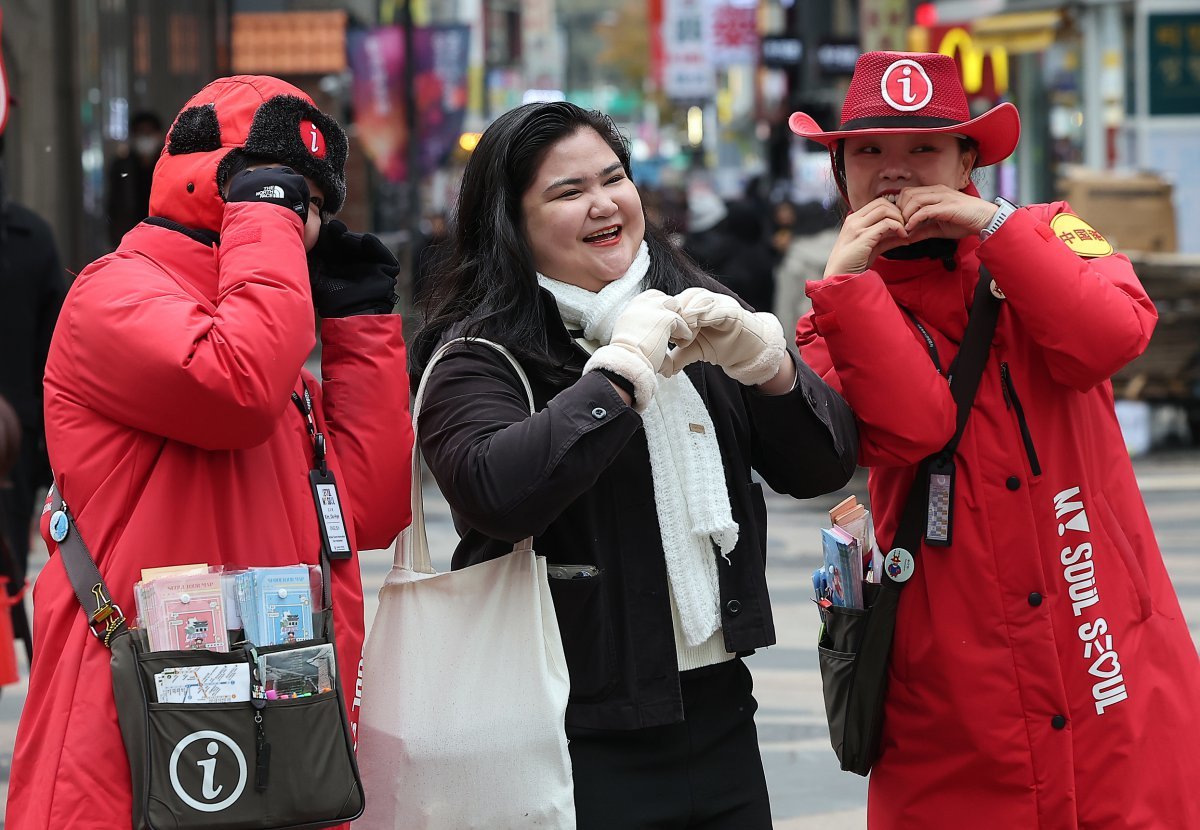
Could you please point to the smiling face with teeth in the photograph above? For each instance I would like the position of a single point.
(883, 165)
(581, 215)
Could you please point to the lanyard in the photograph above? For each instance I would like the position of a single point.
(335, 541)
(305, 405)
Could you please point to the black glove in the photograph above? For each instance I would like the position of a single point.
(281, 186)
(352, 273)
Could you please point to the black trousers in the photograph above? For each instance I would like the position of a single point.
(703, 774)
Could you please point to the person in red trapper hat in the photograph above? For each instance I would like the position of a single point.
(1042, 674)
(170, 420)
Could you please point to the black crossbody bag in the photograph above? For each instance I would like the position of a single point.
(258, 764)
(855, 646)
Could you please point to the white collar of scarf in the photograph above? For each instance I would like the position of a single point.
(685, 458)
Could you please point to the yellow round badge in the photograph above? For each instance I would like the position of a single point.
(1079, 236)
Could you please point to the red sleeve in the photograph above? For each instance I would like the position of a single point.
(156, 355)
(1091, 316)
(856, 338)
(365, 404)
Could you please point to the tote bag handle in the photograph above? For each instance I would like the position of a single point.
(412, 549)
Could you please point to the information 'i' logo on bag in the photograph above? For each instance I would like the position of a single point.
(208, 771)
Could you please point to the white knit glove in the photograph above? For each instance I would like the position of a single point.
(638, 347)
(748, 346)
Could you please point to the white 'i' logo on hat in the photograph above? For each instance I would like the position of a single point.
(313, 140)
(905, 86)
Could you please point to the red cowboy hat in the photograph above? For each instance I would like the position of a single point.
(905, 92)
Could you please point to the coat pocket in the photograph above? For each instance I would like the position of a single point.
(1133, 567)
(581, 605)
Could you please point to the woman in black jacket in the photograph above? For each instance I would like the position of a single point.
(634, 475)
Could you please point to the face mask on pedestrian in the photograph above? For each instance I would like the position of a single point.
(146, 146)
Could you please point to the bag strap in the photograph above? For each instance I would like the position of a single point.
(964, 377)
(412, 548)
(85, 577)
(967, 369)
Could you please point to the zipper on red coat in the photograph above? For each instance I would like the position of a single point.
(1011, 401)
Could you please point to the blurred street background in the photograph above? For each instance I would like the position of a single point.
(1109, 96)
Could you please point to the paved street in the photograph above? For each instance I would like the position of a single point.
(807, 788)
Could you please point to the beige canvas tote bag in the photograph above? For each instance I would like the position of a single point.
(464, 688)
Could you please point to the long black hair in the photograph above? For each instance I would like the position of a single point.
(486, 279)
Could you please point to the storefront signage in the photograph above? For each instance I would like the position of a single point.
(687, 42)
(734, 34)
(439, 83)
(956, 41)
(1174, 63)
(837, 58)
(782, 51)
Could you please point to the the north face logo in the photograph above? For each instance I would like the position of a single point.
(271, 191)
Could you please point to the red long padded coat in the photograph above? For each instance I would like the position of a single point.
(171, 428)
(1043, 675)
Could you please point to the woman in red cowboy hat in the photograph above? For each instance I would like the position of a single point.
(1042, 674)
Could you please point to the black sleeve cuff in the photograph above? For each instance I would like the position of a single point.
(623, 383)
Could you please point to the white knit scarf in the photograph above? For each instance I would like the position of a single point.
(685, 459)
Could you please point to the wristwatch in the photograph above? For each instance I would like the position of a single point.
(1006, 209)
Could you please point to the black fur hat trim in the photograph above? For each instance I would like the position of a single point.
(275, 134)
(196, 130)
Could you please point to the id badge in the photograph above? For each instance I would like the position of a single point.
(329, 510)
(939, 518)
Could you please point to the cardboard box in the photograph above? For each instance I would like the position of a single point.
(1133, 210)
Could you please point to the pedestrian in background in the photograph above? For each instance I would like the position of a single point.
(1042, 674)
(782, 226)
(170, 418)
(32, 286)
(130, 175)
(634, 475)
(10, 439)
(10, 447)
(705, 239)
(804, 245)
(746, 266)
(726, 240)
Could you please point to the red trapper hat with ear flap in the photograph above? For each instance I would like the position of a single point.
(255, 115)
(907, 92)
